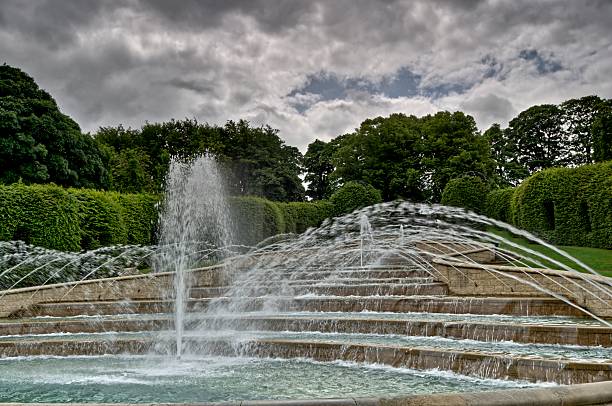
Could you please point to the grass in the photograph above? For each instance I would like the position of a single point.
(597, 258)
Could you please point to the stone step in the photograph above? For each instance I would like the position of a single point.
(489, 332)
(385, 289)
(515, 306)
(498, 366)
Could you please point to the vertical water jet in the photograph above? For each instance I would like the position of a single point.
(195, 213)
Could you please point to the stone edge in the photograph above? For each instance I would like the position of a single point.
(599, 393)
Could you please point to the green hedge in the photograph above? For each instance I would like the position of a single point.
(567, 206)
(352, 196)
(43, 215)
(140, 213)
(100, 219)
(255, 219)
(468, 192)
(300, 216)
(72, 219)
(498, 204)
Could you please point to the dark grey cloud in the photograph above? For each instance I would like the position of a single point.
(313, 68)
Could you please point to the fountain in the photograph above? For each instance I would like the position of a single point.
(348, 310)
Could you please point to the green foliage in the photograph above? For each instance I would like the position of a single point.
(40, 144)
(255, 219)
(467, 191)
(352, 196)
(43, 215)
(300, 216)
(100, 219)
(498, 204)
(567, 206)
(574, 133)
(256, 159)
(410, 157)
(602, 135)
(140, 213)
(72, 219)
(318, 166)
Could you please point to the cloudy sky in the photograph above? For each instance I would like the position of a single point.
(313, 69)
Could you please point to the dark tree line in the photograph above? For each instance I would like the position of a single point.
(257, 160)
(401, 156)
(410, 157)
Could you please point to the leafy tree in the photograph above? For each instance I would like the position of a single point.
(539, 138)
(38, 143)
(260, 163)
(577, 117)
(385, 153)
(508, 171)
(352, 196)
(602, 134)
(409, 157)
(453, 147)
(318, 166)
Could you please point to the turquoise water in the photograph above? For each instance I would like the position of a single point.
(139, 379)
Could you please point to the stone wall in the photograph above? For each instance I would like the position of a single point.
(471, 279)
(133, 287)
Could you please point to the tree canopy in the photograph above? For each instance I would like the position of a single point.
(258, 162)
(39, 144)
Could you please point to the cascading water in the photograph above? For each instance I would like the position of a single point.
(195, 213)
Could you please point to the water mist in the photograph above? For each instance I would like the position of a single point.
(195, 214)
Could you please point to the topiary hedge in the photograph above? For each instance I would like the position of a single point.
(72, 219)
(300, 216)
(255, 219)
(567, 206)
(498, 204)
(468, 192)
(100, 219)
(140, 213)
(43, 215)
(352, 196)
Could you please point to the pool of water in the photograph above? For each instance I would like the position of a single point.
(141, 379)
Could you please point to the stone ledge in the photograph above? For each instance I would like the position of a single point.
(574, 395)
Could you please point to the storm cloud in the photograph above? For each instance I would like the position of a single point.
(313, 69)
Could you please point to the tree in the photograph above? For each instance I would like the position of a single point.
(385, 153)
(257, 161)
(453, 147)
(577, 117)
(260, 163)
(409, 157)
(538, 138)
(602, 134)
(318, 166)
(39, 144)
(508, 171)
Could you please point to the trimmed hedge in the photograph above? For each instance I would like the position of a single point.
(72, 219)
(352, 196)
(567, 206)
(43, 215)
(140, 213)
(255, 219)
(300, 216)
(468, 192)
(100, 219)
(498, 204)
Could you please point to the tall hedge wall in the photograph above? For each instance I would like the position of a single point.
(498, 203)
(468, 192)
(567, 206)
(73, 219)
